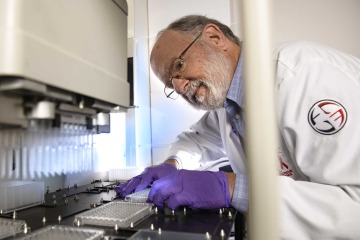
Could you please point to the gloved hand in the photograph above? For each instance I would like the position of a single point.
(142, 181)
(195, 189)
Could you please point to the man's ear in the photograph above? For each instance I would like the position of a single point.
(215, 36)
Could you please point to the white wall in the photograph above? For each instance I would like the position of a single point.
(331, 22)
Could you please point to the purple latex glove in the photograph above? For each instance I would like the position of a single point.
(142, 181)
(195, 189)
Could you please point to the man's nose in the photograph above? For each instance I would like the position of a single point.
(180, 85)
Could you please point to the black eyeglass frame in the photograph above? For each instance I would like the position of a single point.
(171, 90)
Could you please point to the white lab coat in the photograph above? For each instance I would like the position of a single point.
(319, 167)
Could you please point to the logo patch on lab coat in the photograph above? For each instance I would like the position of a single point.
(327, 117)
(284, 168)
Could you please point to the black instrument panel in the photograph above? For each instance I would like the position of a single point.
(60, 207)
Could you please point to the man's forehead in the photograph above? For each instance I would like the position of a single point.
(169, 35)
(165, 50)
(169, 43)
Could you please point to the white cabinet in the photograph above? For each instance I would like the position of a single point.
(78, 46)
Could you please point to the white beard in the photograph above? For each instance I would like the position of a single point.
(217, 81)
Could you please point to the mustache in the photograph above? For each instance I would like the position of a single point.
(191, 91)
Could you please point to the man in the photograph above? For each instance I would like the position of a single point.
(317, 93)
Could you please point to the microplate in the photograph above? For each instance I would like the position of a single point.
(140, 196)
(119, 213)
(59, 232)
(11, 227)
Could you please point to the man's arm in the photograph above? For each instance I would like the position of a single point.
(231, 182)
(173, 162)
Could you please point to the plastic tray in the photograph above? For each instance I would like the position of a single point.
(59, 232)
(117, 213)
(139, 197)
(19, 194)
(156, 235)
(10, 227)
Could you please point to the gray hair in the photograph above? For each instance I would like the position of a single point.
(194, 24)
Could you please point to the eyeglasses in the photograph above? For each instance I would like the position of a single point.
(178, 66)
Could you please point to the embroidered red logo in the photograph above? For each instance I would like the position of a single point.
(327, 117)
(284, 168)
